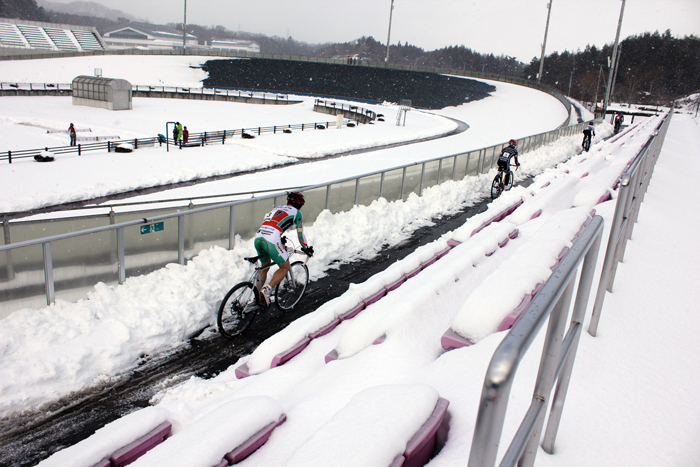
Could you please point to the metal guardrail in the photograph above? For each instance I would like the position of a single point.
(633, 187)
(393, 184)
(200, 139)
(553, 302)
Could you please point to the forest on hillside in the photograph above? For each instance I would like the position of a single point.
(654, 68)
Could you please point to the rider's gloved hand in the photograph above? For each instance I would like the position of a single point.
(308, 250)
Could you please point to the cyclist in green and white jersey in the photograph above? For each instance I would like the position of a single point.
(268, 240)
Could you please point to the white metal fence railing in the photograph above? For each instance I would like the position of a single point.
(65, 257)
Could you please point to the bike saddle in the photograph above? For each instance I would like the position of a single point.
(252, 259)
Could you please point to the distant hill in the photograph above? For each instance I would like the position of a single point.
(88, 9)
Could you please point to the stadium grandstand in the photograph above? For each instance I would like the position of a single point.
(22, 36)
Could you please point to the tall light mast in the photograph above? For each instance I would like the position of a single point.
(544, 42)
(184, 28)
(388, 38)
(614, 60)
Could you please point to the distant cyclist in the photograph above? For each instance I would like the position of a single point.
(588, 134)
(507, 154)
(268, 241)
(619, 118)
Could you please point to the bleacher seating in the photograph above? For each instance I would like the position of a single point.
(10, 36)
(47, 38)
(86, 39)
(61, 39)
(35, 36)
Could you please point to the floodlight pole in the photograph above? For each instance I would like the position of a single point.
(184, 28)
(617, 65)
(544, 43)
(614, 58)
(388, 38)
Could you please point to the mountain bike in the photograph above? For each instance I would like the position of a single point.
(243, 302)
(503, 181)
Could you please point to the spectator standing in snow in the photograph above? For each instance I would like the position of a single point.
(71, 132)
(185, 135)
(179, 133)
(176, 132)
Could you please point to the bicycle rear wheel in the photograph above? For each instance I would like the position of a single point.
(496, 186)
(238, 309)
(292, 288)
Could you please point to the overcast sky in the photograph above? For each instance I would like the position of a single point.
(501, 27)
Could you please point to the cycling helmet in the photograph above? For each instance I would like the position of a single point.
(512, 142)
(295, 199)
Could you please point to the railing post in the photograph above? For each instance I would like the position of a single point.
(357, 191)
(610, 254)
(454, 168)
(403, 183)
(548, 368)
(328, 197)
(422, 176)
(48, 273)
(577, 317)
(439, 171)
(9, 156)
(121, 266)
(79, 151)
(381, 186)
(181, 239)
(8, 253)
(232, 227)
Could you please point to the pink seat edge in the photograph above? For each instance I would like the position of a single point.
(398, 461)
(103, 463)
(283, 357)
(139, 447)
(254, 442)
(379, 339)
(325, 330)
(353, 312)
(332, 355)
(242, 371)
(396, 284)
(452, 340)
(427, 432)
(375, 297)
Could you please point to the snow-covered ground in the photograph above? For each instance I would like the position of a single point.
(631, 399)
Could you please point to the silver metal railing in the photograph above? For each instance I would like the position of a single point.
(633, 187)
(553, 302)
(557, 361)
(111, 247)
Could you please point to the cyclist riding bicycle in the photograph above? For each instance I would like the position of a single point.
(268, 240)
(619, 118)
(507, 154)
(588, 134)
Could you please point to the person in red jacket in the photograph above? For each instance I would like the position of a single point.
(185, 135)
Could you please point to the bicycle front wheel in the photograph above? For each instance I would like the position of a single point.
(238, 309)
(292, 288)
(496, 186)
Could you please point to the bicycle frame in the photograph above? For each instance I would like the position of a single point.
(254, 278)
